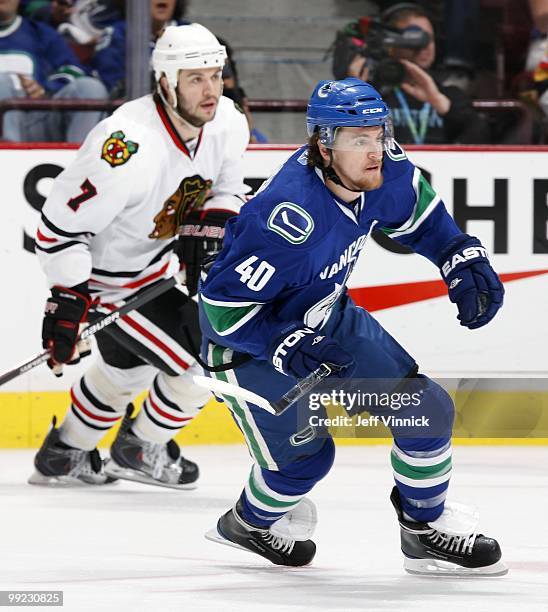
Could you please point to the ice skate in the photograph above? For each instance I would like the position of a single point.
(58, 464)
(132, 458)
(271, 543)
(448, 546)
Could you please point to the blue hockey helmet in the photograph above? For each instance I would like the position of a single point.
(349, 102)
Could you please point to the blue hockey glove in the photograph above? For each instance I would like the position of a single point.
(472, 283)
(301, 350)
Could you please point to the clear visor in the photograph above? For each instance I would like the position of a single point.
(366, 140)
(374, 139)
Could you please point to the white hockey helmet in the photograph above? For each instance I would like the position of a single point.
(185, 47)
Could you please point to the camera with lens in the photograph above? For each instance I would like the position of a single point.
(373, 40)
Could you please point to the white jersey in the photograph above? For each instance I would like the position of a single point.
(112, 215)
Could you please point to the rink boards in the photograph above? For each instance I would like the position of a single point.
(500, 195)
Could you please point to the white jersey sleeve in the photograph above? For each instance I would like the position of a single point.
(229, 189)
(113, 215)
(102, 180)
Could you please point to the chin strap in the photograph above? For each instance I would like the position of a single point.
(330, 174)
(177, 113)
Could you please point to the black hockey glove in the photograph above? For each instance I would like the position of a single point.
(66, 310)
(472, 283)
(201, 235)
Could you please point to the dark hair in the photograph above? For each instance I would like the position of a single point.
(229, 69)
(401, 11)
(180, 9)
(314, 157)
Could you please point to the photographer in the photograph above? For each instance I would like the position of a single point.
(396, 54)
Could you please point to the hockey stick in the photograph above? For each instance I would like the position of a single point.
(279, 406)
(131, 304)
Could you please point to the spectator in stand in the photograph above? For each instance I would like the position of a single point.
(85, 14)
(53, 13)
(539, 12)
(537, 57)
(461, 20)
(38, 64)
(80, 22)
(109, 58)
(29, 7)
(423, 111)
(233, 90)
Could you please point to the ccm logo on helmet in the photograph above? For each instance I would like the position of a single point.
(370, 111)
(288, 342)
(469, 253)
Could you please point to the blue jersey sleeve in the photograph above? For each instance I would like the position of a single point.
(251, 276)
(418, 216)
(60, 63)
(109, 60)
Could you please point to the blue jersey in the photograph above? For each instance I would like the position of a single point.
(288, 255)
(36, 50)
(109, 59)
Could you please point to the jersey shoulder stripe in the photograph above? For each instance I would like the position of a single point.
(227, 317)
(426, 201)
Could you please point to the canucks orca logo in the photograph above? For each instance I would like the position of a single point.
(324, 90)
(318, 313)
(395, 152)
(291, 222)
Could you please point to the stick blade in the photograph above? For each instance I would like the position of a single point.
(219, 387)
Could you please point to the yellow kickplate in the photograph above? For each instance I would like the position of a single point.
(486, 417)
(26, 417)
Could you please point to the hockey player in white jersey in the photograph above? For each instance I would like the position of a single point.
(162, 166)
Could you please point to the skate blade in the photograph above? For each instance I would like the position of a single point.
(437, 567)
(213, 535)
(117, 471)
(63, 481)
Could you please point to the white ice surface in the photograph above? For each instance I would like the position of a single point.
(133, 547)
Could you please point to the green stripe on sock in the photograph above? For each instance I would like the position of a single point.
(420, 472)
(266, 499)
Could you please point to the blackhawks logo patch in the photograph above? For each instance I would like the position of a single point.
(117, 150)
(190, 195)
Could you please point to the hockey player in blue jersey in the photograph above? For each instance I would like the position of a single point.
(274, 307)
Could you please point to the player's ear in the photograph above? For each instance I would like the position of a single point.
(165, 89)
(324, 152)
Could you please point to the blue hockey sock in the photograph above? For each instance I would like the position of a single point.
(422, 478)
(268, 494)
